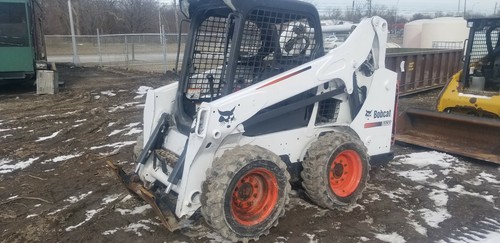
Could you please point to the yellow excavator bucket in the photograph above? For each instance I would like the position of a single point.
(459, 134)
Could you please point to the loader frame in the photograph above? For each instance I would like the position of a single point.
(282, 106)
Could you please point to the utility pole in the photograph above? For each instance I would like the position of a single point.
(458, 10)
(76, 58)
(465, 8)
(495, 10)
(352, 12)
(369, 8)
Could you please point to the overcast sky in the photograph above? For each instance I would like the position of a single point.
(481, 6)
(411, 6)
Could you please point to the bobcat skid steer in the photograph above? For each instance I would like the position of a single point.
(259, 103)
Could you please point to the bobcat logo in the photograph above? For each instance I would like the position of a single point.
(226, 116)
(368, 113)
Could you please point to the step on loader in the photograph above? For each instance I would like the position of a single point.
(467, 121)
(259, 105)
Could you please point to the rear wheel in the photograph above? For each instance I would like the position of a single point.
(245, 193)
(336, 170)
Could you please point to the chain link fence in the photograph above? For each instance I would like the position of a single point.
(143, 52)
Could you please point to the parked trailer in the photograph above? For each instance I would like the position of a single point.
(423, 69)
(22, 48)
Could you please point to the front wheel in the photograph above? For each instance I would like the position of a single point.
(336, 170)
(245, 193)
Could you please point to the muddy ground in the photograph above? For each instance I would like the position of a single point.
(55, 187)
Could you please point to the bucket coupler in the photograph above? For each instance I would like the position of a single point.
(135, 185)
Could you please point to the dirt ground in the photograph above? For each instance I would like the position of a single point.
(55, 186)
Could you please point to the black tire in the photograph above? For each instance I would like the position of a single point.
(232, 206)
(336, 170)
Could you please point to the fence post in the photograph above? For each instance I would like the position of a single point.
(164, 42)
(126, 51)
(133, 47)
(99, 47)
(76, 58)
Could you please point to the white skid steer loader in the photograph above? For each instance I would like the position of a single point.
(260, 104)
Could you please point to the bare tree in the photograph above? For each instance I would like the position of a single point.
(139, 16)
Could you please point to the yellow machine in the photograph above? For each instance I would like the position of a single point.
(468, 121)
(459, 99)
(475, 90)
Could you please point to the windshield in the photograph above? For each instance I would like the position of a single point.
(13, 25)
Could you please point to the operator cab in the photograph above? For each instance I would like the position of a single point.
(482, 66)
(233, 44)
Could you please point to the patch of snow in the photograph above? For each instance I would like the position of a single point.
(48, 137)
(110, 198)
(392, 238)
(49, 170)
(71, 200)
(97, 97)
(116, 132)
(419, 228)
(111, 124)
(108, 93)
(417, 175)
(121, 107)
(311, 238)
(133, 131)
(43, 116)
(66, 157)
(31, 216)
(68, 140)
(460, 190)
(424, 159)
(141, 91)
(110, 232)
(37, 205)
(281, 239)
(82, 120)
(13, 197)
(77, 125)
(133, 124)
(399, 194)
(364, 239)
(6, 166)
(434, 218)
(490, 235)
(136, 210)
(71, 112)
(75, 199)
(114, 145)
(6, 136)
(133, 227)
(126, 198)
(489, 178)
(439, 197)
(89, 214)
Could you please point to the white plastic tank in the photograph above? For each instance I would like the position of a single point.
(413, 32)
(445, 32)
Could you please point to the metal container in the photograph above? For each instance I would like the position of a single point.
(423, 69)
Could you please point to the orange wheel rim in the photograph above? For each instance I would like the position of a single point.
(254, 197)
(345, 173)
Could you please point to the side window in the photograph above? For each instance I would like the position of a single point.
(273, 42)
